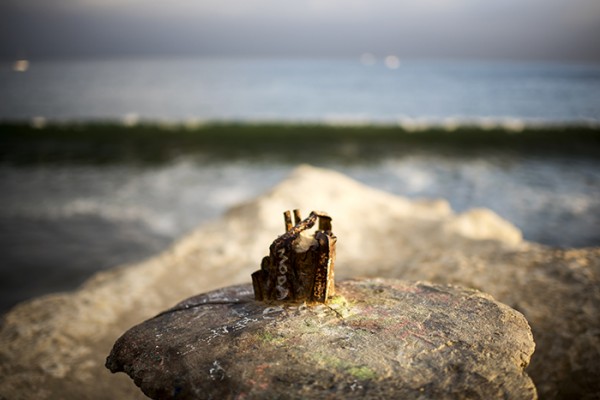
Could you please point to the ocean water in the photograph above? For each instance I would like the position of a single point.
(302, 90)
(59, 223)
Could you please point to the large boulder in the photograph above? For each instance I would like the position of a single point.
(377, 339)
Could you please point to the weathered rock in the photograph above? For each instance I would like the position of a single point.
(376, 339)
(57, 344)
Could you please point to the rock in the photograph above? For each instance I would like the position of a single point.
(376, 339)
(482, 224)
(57, 344)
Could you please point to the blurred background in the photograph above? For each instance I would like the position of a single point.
(126, 124)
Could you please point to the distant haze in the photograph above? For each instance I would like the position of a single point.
(563, 30)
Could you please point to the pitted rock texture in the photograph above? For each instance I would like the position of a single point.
(376, 339)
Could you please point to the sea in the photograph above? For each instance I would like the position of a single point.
(299, 90)
(60, 223)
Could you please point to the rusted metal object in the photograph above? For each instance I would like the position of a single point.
(299, 267)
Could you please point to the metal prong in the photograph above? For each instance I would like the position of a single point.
(287, 216)
(324, 223)
(297, 217)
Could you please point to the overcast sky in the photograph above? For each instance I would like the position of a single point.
(566, 30)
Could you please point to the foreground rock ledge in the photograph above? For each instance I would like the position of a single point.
(376, 339)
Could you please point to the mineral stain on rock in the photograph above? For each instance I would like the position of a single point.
(374, 339)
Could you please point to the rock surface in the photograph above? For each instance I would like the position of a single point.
(57, 344)
(376, 339)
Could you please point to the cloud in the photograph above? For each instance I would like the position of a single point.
(559, 29)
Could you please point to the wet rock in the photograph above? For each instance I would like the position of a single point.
(375, 339)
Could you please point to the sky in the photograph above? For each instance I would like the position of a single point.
(560, 30)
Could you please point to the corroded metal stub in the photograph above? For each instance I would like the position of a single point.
(299, 267)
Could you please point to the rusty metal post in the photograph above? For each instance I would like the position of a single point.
(299, 267)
